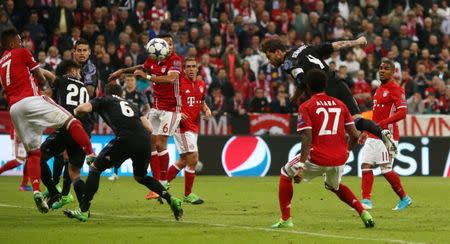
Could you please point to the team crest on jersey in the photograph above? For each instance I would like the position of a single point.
(287, 64)
(385, 93)
(163, 69)
(201, 89)
(187, 91)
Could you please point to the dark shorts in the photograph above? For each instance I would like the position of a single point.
(120, 149)
(338, 89)
(59, 141)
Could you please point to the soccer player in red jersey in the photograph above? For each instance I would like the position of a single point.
(193, 93)
(389, 106)
(19, 155)
(165, 115)
(30, 112)
(322, 123)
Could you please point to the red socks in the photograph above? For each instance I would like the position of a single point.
(285, 193)
(396, 185)
(11, 164)
(25, 175)
(346, 195)
(189, 176)
(154, 165)
(163, 163)
(367, 183)
(172, 172)
(78, 134)
(34, 168)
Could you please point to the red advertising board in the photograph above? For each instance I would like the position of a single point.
(272, 124)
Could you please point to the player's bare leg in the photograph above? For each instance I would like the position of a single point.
(366, 185)
(393, 179)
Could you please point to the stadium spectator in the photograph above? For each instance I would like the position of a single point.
(415, 104)
(238, 105)
(361, 90)
(259, 103)
(281, 103)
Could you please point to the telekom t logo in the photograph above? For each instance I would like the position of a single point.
(190, 101)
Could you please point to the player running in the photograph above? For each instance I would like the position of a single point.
(193, 93)
(298, 61)
(70, 92)
(165, 115)
(389, 107)
(322, 123)
(30, 112)
(19, 155)
(132, 141)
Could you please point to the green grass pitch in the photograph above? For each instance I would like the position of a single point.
(236, 210)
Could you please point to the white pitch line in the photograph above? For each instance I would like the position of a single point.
(245, 227)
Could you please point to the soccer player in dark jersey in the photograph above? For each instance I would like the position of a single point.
(322, 124)
(70, 92)
(132, 141)
(138, 99)
(298, 61)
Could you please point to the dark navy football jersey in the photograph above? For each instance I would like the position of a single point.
(298, 61)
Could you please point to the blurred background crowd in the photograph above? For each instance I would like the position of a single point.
(225, 36)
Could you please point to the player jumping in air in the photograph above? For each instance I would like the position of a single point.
(389, 106)
(132, 141)
(322, 123)
(166, 112)
(30, 112)
(69, 93)
(298, 61)
(19, 155)
(193, 93)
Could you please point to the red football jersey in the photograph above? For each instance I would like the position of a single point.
(15, 75)
(192, 96)
(166, 96)
(326, 117)
(387, 99)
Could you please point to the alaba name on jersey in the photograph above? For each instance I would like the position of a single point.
(15, 75)
(166, 96)
(326, 117)
(192, 97)
(388, 98)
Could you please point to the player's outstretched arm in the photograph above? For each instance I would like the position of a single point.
(146, 124)
(170, 78)
(362, 41)
(119, 72)
(397, 116)
(82, 109)
(49, 76)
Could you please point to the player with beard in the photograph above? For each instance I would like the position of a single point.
(298, 61)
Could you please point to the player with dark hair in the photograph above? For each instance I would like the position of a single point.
(132, 141)
(165, 115)
(30, 112)
(389, 107)
(193, 93)
(69, 93)
(322, 123)
(298, 61)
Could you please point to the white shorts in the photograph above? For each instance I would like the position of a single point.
(164, 122)
(32, 115)
(186, 142)
(374, 152)
(332, 174)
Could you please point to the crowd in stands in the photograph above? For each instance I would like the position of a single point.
(225, 36)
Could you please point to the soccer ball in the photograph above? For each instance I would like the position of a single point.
(157, 49)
